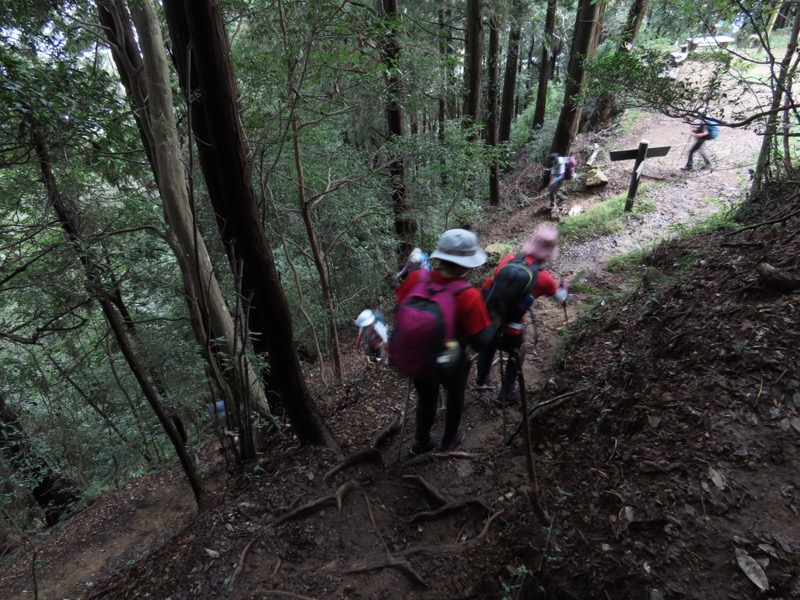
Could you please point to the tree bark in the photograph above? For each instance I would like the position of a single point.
(544, 65)
(473, 47)
(510, 79)
(584, 45)
(54, 493)
(491, 108)
(151, 97)
(404, 225)
(607, 104)
(196, 28)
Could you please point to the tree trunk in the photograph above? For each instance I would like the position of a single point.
(491, 117)
(510, 79)
(404, 225)
(584, 45)
(70, 226)
(53, 492)
(607, 104)
(151, 97)
(316, 252)
(473, 48)
(761, 175)
(196, 28)
(544, 65)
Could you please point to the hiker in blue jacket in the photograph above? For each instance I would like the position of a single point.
(701, 132)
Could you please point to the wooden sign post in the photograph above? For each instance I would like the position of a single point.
(640, 154)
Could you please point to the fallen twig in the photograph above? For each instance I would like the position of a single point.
(542, 407)
(431, 455)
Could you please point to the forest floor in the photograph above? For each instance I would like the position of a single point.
(665, 440)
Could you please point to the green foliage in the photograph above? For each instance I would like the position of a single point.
(606, 218)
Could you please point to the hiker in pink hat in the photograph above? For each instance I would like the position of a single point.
(509, 294)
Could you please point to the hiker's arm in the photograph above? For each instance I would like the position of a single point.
(481, 339)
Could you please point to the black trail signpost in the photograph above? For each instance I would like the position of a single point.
(640, 154)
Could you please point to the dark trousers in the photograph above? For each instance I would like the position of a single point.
(454, 383)
(505, 342)
(697, 147)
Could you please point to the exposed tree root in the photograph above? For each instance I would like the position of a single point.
(384, 433)
(271, 593)
(457, 547)
(432, 455)
(449, 507)
(777, 280)
(240, 566)
(389, 562)
(336, 497)
(365, 455)
(437, 495)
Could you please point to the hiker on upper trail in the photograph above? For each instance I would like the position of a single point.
(373, 331)
(706, 129)
(558, 169)
(416, 260)
(438, 313)
(509, 294)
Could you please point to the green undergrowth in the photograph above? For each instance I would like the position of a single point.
(606, 218)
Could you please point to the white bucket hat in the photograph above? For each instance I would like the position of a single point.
(366, 318)
(460, 246)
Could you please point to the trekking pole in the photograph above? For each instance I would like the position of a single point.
(566, 318)
(403, 426)
(533, 494)
(502, 395)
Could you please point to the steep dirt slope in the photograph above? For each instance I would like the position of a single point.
(671, 442)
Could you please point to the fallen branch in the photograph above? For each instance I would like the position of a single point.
(365, 455)
(780, 219)
(337, 497)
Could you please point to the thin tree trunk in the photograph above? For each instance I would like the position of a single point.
(761, 175)
(544, 65)
(316, 253)
(404, 225)
(606, 105)
(584, 45)
(70, 226)
(473, 63)
(491, 117)
(151, 97)
(197, 28)
(510, 79)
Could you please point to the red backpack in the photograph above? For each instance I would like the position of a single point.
(423, 325)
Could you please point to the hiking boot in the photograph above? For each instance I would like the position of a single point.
(687, 168)
(484, 381)
(510, 399)
(418, 447)
(459, 437)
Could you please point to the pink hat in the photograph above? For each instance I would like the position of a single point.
(543, 245)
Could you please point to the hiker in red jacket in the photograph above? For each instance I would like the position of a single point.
(541, 248)
(457, 253)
